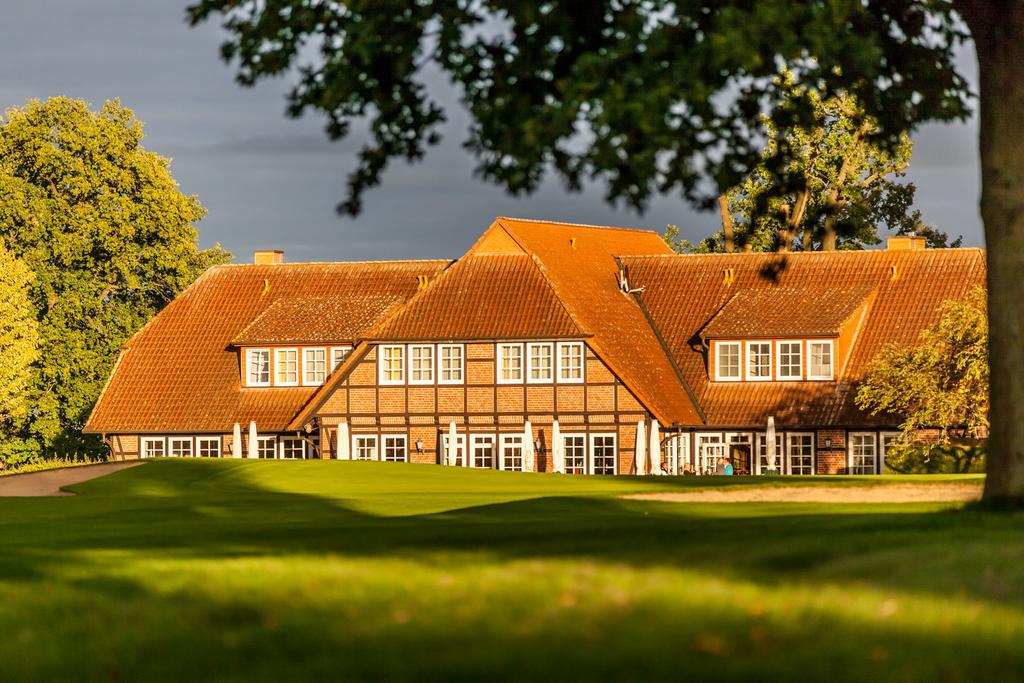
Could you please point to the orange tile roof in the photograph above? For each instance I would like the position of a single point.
(180, 373)
(810, 310)
(683, 293)
(485, 296)
(324, 319)
(580, 262)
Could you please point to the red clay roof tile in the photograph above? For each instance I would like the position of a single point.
(180, 373)
(684, 292)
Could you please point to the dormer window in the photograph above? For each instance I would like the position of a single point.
(727, 361)
(790, 354)
(759, 361)
(286, 367)
(779, 360)
(257, 363)
(821, 364)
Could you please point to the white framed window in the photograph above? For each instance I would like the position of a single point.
(603, 454)
(364, 447)
(759, 361)
(153, 447)
(421, 364)
(180, 446)
(710, 452)
(391, 361)
(820, 360)
(510, 363)
(292, 448)
(790, 360)
(574, 446)
(452, 364)
(862, 453)
(762, 454)
(801, 453)
(512, 452)
(208, 446)
(338, 356)
(570, 362)
(727, 361)
(677, 448)
(887, 440)
(266, 447)
(257, 364)
(540, 359)
(395, 448)
(314, 366)
(460, 449)
(482, 449)
(286, 367)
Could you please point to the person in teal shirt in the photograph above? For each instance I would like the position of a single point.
(728, 467)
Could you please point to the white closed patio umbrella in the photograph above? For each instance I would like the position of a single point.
(453, 445)
(343, 447)
(528, 454)
(769, 445)
(236, 441)
(253, 436)
(557, 449)
(641, 448)
(655, 451)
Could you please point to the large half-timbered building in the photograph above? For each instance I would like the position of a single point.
(547, 346)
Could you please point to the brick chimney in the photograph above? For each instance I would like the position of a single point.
(268, 257)
(905, 243)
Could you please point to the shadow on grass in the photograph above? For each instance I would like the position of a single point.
(590, 587)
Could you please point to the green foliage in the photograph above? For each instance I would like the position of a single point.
(109, 236)
(848, 187)
(921, 458)
(19, 337)
(649, 96)
(942, 383)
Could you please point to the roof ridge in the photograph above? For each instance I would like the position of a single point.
(576, 225)
(805, 254)
(333, 263)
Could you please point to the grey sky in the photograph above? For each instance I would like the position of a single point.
(270, 181)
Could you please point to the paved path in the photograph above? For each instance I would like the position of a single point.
(48, 482)
(883, 493)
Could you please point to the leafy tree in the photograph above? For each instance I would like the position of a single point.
(942, 383)
(19, 349)
(109, 236)
(849, 185)
(659, 96)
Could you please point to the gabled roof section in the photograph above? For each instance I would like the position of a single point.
(787, 311)
(580, 262)
(323, 319)
(906, 290)
(180, 372)
(484, 296)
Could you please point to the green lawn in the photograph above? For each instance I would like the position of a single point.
(329, 571)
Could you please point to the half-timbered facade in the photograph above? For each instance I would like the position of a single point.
(547, 346)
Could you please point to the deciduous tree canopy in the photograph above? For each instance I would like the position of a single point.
(942, 382)
(18, 343)
(102, 224)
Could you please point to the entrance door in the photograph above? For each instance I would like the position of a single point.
(740, 453)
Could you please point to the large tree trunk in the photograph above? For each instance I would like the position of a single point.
(998, 31)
